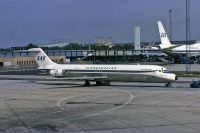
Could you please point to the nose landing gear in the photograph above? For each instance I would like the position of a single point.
(168, 84)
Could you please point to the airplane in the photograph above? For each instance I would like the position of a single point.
(102, 74)
(175, 48)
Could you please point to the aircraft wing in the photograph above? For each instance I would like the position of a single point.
(173, 55)
(170, 53)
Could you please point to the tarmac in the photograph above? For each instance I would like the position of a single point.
(48, 107)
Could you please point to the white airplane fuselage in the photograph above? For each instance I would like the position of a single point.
(192, 48)
(93, 72)
(176, 48)
(129, 73)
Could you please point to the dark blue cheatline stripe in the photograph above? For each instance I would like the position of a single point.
(114, 71)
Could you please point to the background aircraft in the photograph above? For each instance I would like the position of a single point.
(175, 48)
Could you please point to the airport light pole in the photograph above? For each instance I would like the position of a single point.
(170, 23)
(188, 65)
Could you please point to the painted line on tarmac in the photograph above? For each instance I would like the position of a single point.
(67, 98)
(131, 96)
(58, 104)
(106, 111)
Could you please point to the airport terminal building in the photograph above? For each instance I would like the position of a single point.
(23, 58)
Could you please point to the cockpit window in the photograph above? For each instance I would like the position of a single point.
(166, 71)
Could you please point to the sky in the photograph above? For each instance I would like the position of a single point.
(43, 21)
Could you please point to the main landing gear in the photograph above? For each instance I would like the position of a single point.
(98, 83)
(87, 83)
(105, 83)
(168, 84)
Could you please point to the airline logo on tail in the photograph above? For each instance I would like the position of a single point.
(165, 43)
(43, 61)
(41, 58)
(163, 34)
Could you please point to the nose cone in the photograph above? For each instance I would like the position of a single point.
(172, 77)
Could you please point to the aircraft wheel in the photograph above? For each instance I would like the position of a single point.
(87, 83)
(98, 83)
(105, 83)
(168, 84)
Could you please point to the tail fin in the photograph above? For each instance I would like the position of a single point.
(165, 43)
(42, 59)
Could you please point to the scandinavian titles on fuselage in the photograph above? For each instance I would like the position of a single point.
(101, 68)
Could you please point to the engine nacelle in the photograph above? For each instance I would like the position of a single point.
(57, 73)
